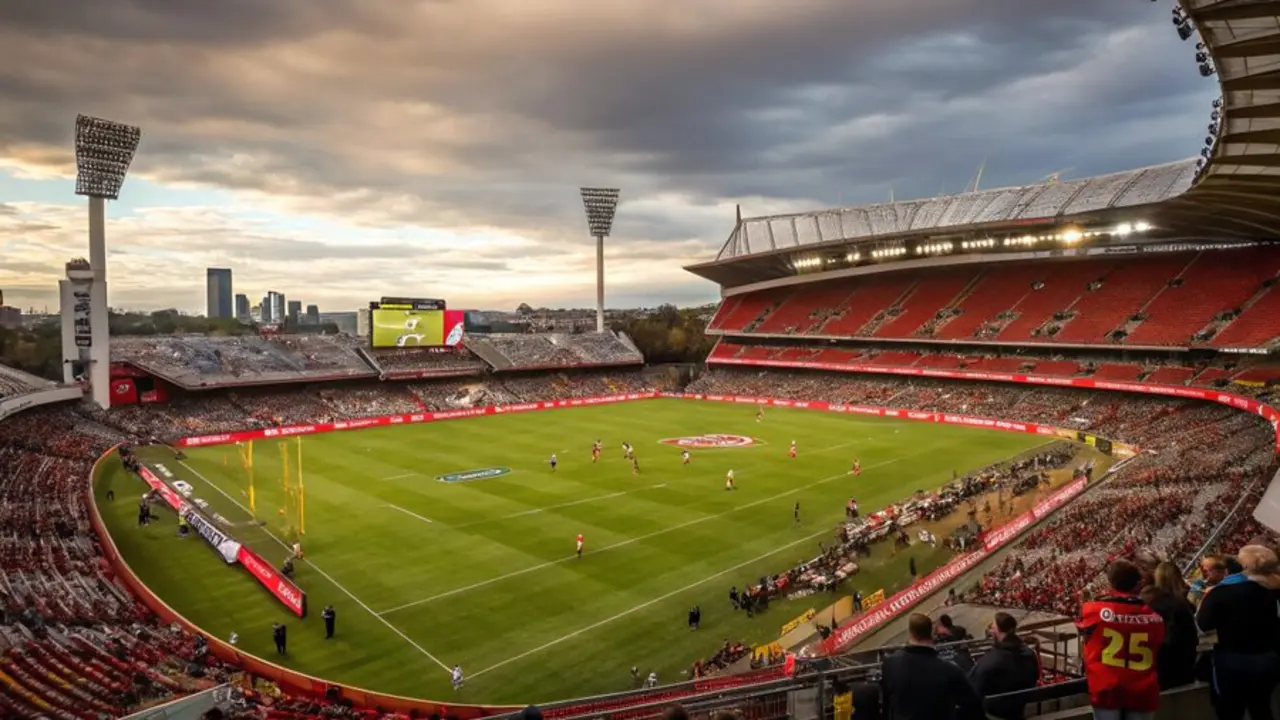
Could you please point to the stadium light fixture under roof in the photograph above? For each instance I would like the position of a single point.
(104, 151)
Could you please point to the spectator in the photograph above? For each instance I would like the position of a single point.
(918, 685)
(1242, 609)
(1009, 666)
(1167, 595)
(1213, 569)
(1121, 635)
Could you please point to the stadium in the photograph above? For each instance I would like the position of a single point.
(966, 404)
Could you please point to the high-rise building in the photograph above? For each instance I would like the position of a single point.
(264, 309)
(242, 307)
(277, 302)
(364, 325)
(218, 289)
(313, 315)
(295, 311)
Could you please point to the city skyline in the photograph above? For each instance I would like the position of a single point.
(357, 150)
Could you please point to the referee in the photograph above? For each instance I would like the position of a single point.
(330, 617)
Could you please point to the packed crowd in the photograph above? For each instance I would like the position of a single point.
(425, 362)
(73, 642)
(514, 352)
(199, 361)
(216, 411)
(16, 382)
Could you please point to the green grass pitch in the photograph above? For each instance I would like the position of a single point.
(425, 574)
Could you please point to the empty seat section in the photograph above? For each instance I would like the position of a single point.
(1210, 376)
(797, 354)
(806, 308)
(871, 295)
(931, 294)
(758, 352)
(1257, 326)
(894, 358)
(997, 291)
(1057, 368)
(1125, 290)
(1259, 374)
(725, 350)
(1118, 372)
(1171, 376)
(1063, 283)
(1001, 365)
(727, 307)
(834, 356)
(1215, 282)
(941, 362)
(747, 310)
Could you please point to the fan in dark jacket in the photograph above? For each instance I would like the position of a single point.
(945, 632)
(1176, 659)
(1009, 666)
(919, 685)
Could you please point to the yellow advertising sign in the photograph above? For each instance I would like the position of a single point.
(764, 652)
(805, 617)
(872, 600)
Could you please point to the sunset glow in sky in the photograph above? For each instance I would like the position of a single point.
(340, 150)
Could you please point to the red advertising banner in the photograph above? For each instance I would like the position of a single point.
(232, 551)
(904, 600)
(423, 417)
(290, 595)
(1239, 402)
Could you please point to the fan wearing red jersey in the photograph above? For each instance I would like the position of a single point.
(1121, 637)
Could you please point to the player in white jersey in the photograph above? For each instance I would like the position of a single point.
(627, 451)
(456, 675)
(684, 456)
(728, 481)
(580, 544)
(554, 462)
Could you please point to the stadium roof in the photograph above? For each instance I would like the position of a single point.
(1236, 196)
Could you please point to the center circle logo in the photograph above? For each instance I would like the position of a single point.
(703, 442)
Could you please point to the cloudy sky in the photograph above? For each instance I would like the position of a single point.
(340, 150)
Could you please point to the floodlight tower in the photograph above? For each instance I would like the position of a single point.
(600, 204)
(104, 150)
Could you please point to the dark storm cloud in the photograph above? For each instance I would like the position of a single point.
(492, 112)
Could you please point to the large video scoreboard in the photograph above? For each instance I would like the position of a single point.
(414, 322)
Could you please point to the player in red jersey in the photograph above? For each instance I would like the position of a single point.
(579, 544)
(857, 467)
(595, 452)
(792, 451)
(1121, 636)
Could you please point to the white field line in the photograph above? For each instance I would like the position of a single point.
(584, 501)
(402, 476)
(649, 603)
(324, 574)
(411, 513)
(624, 543)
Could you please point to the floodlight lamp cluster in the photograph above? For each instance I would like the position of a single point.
(978, 244)
(104, 151)
(890, 252)
(600, 204)
(808, 263)
(935, 248)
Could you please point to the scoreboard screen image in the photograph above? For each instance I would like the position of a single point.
(415, 328)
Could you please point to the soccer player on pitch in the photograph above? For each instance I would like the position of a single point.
(579, 545)
(635, 464)
(857, 467)
(684, 456)
(553, 462)
(792, 451)
(595, 452)
(728, 481)
(759, 414)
